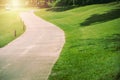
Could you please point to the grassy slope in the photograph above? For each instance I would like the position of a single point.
(9, 22)
(92, 46)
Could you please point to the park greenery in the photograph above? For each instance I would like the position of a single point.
(53, 3)
(91, 27)
(92, 47)
(79, 2)
(11, 26)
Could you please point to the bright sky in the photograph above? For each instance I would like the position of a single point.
(16, 3)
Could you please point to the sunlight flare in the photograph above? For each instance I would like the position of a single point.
(13, 4)
(16, 3)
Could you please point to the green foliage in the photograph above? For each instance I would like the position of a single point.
(91, 51)
(80, 2)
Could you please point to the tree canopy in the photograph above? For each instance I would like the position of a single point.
(80, 2)
(45, 3)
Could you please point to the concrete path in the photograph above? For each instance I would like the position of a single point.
(32, 55)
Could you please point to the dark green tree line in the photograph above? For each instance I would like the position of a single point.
(80, 2)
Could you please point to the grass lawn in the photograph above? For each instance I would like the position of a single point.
(92, 48)
(9, 23)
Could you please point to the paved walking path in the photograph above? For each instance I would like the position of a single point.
(32, 55)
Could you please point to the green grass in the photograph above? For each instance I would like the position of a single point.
(92, 47)
(10, 22)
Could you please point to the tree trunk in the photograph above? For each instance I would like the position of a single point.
(46, 3)
(73, 2)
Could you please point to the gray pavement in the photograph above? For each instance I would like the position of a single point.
(33, 54)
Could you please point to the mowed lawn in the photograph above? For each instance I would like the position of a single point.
(92, 48)
(10, 23)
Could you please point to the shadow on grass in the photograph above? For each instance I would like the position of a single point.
(118, 76)
(100, 18)
(60, 9)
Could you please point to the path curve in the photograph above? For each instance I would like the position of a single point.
(32, 55)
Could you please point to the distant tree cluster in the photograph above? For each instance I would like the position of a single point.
(47, 3)
(39, 3)
(80, 2)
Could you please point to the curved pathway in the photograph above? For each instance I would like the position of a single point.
(32, 55)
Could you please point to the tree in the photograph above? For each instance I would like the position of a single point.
(80, 2)
(73, 2)
(117, 1)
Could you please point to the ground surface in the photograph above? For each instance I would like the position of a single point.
(92, 44)
(32, 55)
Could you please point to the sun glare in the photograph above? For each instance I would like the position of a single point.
(13, 4)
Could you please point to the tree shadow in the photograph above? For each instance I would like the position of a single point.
(115, 40)
(117, 76)
(100, 18)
